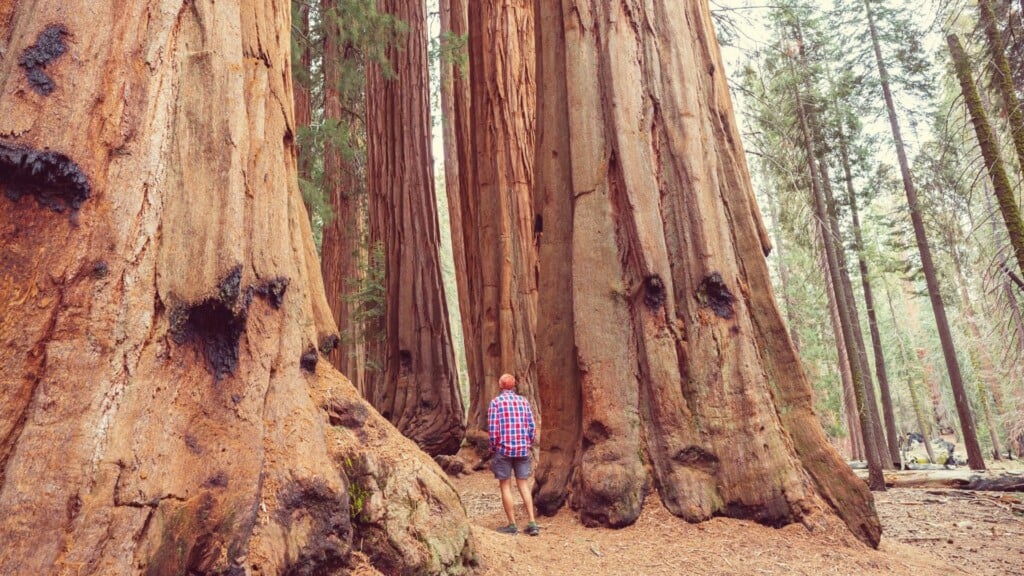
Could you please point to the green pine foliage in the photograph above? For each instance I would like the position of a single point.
(363, 35)
(827, 55)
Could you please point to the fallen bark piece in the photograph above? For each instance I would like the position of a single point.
(958, 479)
(1003, 483)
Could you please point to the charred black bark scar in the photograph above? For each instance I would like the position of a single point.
(654, 292)
(309, 360)
(273, 290)
(347, 413)
(595, 433)
(713, 293)
(56, 182)
(215, 328)
(697, 457)
(100, 269)
(48, 47)
(404, 363)
(215, 325)
(329, 541)
(231, 286)
(218, 480)
(328, 342)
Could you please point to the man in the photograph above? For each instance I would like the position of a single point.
(512, 430)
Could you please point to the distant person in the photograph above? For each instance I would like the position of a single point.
(512, 431)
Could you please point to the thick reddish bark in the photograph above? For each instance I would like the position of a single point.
(501, 55)
(468, 271)
(416, 386)
(163, 408)
(342, 253)
(679, 371)
(460, 176)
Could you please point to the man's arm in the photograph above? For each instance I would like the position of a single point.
(493, 427)
(531, 426)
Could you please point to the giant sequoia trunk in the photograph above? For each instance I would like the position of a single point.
(416, 386)
(663, 356)
(163, 410)
(459, 178)
(501, 55)
(342, 248)
(974, 457)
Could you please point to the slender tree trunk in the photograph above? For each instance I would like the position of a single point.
(922, 423)
(502, 62)
(844, 288)
(460, 176)
(683, 362)
(342, 235)
(1011, 294)
(984, 367)
(990, 422)
(417, 387)
(1003, 79)
(869, 305)
(163, 408)
(915, 395)
(783, 270)
(943, 424)
(849, 394)
(860, 347)
(872, 447)
(974, 456)
(989, 149)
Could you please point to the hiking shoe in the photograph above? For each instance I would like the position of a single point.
(510, 529)
(532, 529)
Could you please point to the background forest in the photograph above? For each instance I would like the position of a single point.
(790, 63)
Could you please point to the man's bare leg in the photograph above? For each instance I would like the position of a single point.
(506, 500)
(523, 484)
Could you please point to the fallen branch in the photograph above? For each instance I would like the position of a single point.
(957, 479)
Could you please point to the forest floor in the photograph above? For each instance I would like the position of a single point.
(925, 532)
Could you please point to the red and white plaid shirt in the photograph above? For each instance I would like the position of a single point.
(510, 425)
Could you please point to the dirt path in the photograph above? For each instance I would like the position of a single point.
(941, 533)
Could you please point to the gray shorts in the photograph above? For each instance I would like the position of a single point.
(502, 466)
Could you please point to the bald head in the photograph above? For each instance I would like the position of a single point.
(507, 382)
